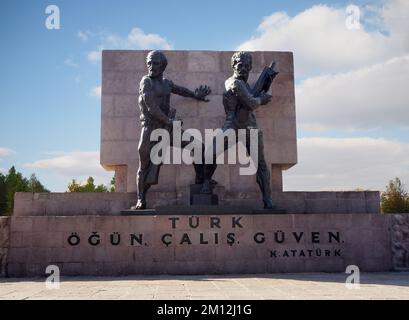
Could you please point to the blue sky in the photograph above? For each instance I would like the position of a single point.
(47, 108)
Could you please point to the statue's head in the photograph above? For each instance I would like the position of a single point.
(156, 62)
(241, 63)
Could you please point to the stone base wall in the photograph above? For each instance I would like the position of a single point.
(4, 244)
(124, 245)
(71, 204)
(400, 241)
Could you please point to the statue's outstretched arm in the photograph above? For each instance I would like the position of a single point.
(199, 94)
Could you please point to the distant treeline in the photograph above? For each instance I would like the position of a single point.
(13, 182)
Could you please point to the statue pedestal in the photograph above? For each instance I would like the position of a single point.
(86, 234)
(198, 244)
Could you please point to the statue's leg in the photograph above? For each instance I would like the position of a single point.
(144, 163)
(210, 165)
(199, 167)
(210, 168)
(263, 175)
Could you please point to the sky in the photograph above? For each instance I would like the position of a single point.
(352, 101)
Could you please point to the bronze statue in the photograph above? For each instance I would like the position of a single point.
(154, 103)
(239, 101)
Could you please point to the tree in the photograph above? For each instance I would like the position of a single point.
(14, 182)
(34, 185)
(112, 185)
(74, 186)
(89, 186)
(3, 192)
(395, 199)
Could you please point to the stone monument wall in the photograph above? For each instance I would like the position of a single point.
(400, 241)
(174, 244)
(4, 244)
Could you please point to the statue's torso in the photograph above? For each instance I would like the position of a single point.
(237, 115)
(160, 91)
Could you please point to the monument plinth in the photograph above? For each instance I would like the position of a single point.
(200, 244)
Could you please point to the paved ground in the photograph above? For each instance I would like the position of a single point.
(268, 286)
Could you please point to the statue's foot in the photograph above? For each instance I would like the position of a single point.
(268, 203)
(140, 205)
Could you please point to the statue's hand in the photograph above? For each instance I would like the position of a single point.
(273, 71)
(274, 74)
(202, 92)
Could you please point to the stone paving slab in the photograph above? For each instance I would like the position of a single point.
(310, 286)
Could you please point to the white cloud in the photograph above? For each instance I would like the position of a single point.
(83, 35)
(136, 39)
(95, 92)
(69, 62)
(321, 42)
(74, 165)
(395, 18)
(353, 79)
(5, 152)
(94, 56)
(374, 97)
(346, 164)
(147, 41)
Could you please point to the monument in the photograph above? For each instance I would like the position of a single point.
(87, 234)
